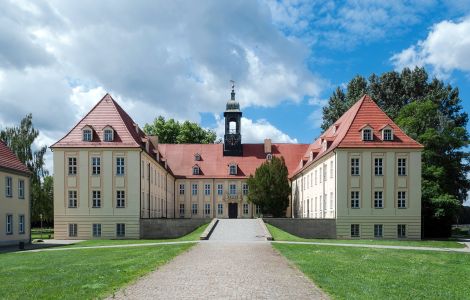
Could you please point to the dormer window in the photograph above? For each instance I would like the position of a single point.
(269, 156)
(196, 170)
(233, 169)
(87, 135)
(387, 134)
(197, 157)
(367, 134)
(324, 145)
(108, 135)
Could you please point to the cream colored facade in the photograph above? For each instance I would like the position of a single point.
(75, 221)
(14, 208)
(377, 217)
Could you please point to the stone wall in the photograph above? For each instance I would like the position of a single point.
(168, 228)
(306, 228)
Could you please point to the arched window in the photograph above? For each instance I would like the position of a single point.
(233, 169)
(196, 170)
(108, 135)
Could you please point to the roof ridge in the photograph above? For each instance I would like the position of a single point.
(361, 100)
(89, 112)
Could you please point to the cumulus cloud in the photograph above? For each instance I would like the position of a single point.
(256, 131)
(445, 49)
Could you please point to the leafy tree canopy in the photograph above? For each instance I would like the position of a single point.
(430, 112)
(269, 188)
(173, 132)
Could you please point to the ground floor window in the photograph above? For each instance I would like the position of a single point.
(96, 230)
(378, 230)
(355, 230)
(220, 209)
(401, 230)
(207, 209)
(9, 224)
(181, 210)
(21, 224)
(194, 209)
(120, 229)
(73, 230)
(257, 210)
(245, 208)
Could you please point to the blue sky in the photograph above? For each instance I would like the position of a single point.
(176, 58)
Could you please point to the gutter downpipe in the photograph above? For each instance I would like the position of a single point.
(148, 179)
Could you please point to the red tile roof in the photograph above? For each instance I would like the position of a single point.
(213, 164)
(106, 112)
(8, 160)
(346, 132)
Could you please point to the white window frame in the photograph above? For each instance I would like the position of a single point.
(96, 198)
(207, 209)
(355, 166)
(257, 210)
(108, 135)
(401, 166)
(96, 230)
(8, 187)
(387, 134)
(355, 230)
(220, 208)
(181, 210)
(96, 165)
(401, 231)
(232, 189)
(378, 166)
(378, 199)
(355, 199)
(181, 188)
(21, 224)
(120, 199)
(331, 169)
(87, 135)
(367, 134)
(9, 224)
(120, 230)
(194, 209)
(72, 198)
(233, 169)
(245, 209)
(401, 199)
(196, 170)
(207, 189)
(20, 189)
(245, 189)
(220, 189)
(72, 166)
(120, 166)
(194, 189)
(73, 230)
(378, 231)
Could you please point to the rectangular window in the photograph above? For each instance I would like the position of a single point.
(315, 177)
(321, 174)
(207, 209)
(401, 199)
(21, 224)
(73, 230)
(325, 175)
(378, 230)
(142, 169)
(367, 135)
(119, 165)
(194, 188)
(355, 230)
(73, 199)
(220, 209)
(355, 171)
(257, 210)
(325, 199)
(378, 199)
(207, 189)
(96, 199)
(120, 199)
(245, 189)
(332, 168)
(233, 170)
(108, 135)
(194, 209)
(8, 186)
(181, 210)
(95, 166)
(354, 199)
(9, 225)
(245, 208)
(233, 189)
(387, 134)
(401, 230)
(378, 166)
(220, 189)
(72, 166)
(401, 167)
(96, 230)
(331, 201)
(87, 135)
(21, 188)
(181, 189)
(120, 229)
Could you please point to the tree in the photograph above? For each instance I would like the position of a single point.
(430, 112)
(20, 140)
(174, 132)
(269, 188)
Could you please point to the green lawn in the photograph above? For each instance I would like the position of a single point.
(280, 235)
(364, 273)
(193, 236)
(78, 274)
(36, 233)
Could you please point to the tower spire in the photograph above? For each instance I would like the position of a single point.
(233, 90)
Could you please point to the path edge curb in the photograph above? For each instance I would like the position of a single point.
(267, 234)
(209, 229)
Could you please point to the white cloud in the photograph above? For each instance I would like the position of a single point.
(256, 131)
(445, 49)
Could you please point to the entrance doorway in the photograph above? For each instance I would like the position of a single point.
(232, 210)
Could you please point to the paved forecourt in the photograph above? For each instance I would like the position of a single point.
(236, 263)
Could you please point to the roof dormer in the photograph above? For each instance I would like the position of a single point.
(196, 170)
(387, 133)
(232, 168)
(197, 156)
(108, 133)
(367, 133)
(87, 133)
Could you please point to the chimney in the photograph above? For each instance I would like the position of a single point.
(267, 146)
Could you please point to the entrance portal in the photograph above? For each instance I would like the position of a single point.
(232, 210)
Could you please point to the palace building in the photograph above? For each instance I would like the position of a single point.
(363, 172)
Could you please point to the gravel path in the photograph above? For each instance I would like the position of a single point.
(235, 263)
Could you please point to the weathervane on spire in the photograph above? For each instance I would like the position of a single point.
(233, 89)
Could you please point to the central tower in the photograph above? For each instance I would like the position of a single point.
(232, 136)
